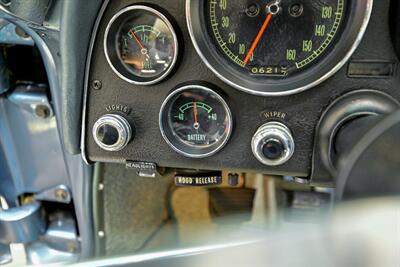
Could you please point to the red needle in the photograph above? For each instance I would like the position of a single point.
(195, 112)
(258, 38)
(137, 39)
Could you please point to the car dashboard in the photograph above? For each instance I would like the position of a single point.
(130, 126)
(258, 116)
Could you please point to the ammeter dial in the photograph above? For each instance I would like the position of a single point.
(141, 45)
(195, 121)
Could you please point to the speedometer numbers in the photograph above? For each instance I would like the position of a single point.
(195, 121)
(274, 38)
(276, 47)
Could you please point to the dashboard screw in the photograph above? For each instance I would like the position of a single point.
(101, 187)
(252, 10)
(96, 85)
(21, 33)
(42, 111)
(296, 10)
(101, 234)
(61, 194)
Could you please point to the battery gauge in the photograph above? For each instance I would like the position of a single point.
(195, 121)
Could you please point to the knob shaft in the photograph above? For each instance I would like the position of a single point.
(273, 144)
(112, 132)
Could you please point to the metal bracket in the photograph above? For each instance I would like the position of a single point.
(32, 98)
(11, 34)
(59, 193)
(22, 224)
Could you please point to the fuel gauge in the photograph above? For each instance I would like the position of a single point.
(195, 121)
(141, 45)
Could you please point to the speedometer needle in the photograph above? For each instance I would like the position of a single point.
(258, 38)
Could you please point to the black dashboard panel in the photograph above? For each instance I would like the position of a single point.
(140, 105)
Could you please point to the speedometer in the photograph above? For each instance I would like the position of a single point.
(286, 37)
(276, 47)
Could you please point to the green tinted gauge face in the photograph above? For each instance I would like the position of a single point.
(141, 45)
(198, 119)
(146, 51)
(195, 121)
(275, 38)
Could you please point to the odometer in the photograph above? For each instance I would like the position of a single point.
(276, 47)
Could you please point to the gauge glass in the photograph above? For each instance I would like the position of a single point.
(275, 38)
(195, 121)
(276, 47)
(141, 45)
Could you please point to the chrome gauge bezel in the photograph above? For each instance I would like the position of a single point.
(351, 36)
(273, 130)
(168, 135)
(120, 124)
(110, 60)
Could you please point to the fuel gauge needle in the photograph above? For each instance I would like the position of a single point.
(258, 38)
(143, 49)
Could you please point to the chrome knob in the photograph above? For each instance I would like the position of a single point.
(273, 144)
(112, 132)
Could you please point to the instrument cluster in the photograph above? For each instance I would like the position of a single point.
(193, 75)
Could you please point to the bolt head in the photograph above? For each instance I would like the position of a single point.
(97, 85)
(42, 111)
(61, 194)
